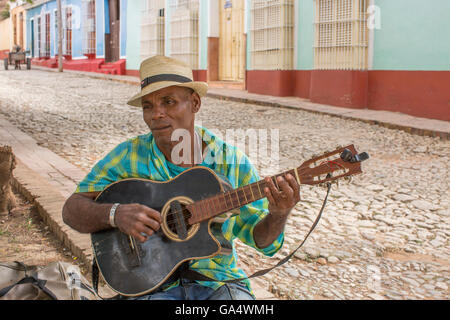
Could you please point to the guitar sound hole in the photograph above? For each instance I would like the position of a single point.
(176, 220)
(171, 220)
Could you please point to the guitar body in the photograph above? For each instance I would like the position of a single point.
(132, 268)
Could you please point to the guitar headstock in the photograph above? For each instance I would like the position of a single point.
(330, 166)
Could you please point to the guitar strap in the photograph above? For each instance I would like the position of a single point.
(193, 275)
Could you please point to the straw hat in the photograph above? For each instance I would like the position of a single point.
(159, 72)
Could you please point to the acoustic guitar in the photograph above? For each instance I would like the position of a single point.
(192, 205)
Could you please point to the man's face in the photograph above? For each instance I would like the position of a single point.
(169, 109)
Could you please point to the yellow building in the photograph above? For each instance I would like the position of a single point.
(5, 35)
(18, 24)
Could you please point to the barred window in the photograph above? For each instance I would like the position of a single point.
(272, 34)
(42, 35)
(88, 11)
(152, 29)
(38, 37)
(55, 38)
(184, 31)
(46, 47)
(67, 31)
(341, 35)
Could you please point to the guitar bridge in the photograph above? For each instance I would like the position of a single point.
(132, 250)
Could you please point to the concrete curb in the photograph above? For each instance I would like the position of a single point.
(387, 119)
(49, 203)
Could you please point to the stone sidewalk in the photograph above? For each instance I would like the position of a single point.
(47, 180)
(392, 120)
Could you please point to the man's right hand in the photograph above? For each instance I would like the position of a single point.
(83, 214)
(138, 221)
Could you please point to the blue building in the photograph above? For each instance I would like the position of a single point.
(94, 34)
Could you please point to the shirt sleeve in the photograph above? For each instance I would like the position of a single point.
(242, 226)
(108, 170)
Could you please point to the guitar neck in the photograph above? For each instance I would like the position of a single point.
(308, 173)
(210, 207)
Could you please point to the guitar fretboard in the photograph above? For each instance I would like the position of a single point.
(224, 202)
(308, 173)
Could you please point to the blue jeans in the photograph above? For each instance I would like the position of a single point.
(190, 290)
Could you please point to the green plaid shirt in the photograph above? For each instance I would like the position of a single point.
(140, 157)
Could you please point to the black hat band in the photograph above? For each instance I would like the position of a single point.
(164, 77)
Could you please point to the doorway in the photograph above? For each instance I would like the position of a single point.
(232, 44)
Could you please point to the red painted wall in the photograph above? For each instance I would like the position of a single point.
(89, 65)
(4, 54)
(344, 88)
(418, 93)
(200, 75)
(302, 86)
(130, 72)
(279, 83)
(213, 58)
(334, 87)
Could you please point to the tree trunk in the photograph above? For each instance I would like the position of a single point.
(7, 164)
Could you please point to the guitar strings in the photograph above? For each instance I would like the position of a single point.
(189, 215)
(223, 200)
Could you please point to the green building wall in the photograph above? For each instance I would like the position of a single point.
(414, 35)
(167, 14)
(134, 34)
(203, 25)
(249, 34)
(305, 35)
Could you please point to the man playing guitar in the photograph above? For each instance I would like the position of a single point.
(170, 100)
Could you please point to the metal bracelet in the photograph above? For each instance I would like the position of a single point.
(112, 214)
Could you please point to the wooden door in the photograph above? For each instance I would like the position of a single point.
(232, 46)
(67, 50)
(112, 53)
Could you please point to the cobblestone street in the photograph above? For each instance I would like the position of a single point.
(384, 235)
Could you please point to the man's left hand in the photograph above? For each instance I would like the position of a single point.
(283, 198)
